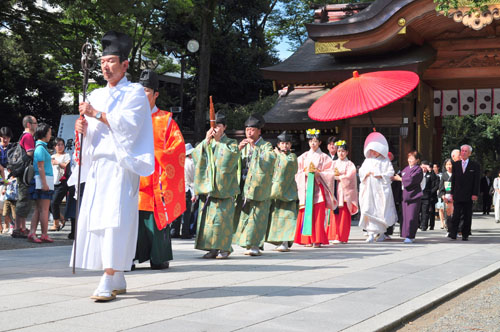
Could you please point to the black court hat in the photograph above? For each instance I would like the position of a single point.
(220, 117)
(116, 43)
(284, 137)
(149, 79)
(255, 121)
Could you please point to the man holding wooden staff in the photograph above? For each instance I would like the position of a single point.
(117, 149)
(257, 165)
(216, 182)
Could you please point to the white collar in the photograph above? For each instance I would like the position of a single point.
(122, 81)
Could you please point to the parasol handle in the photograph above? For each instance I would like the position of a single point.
(371, 120)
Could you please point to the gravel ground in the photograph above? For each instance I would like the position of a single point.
(477, 309)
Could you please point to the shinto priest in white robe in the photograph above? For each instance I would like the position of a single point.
(375, 194)
(113, 159)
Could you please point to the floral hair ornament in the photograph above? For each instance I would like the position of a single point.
(341, 144)
(312, 133)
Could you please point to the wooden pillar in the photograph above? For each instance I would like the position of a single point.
(425, 120)
(408, 144)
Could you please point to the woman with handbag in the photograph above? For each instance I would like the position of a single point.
(445, 191)
(43, 188)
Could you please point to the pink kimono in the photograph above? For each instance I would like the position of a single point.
(323, 195)
(347, 195)
(347, 188)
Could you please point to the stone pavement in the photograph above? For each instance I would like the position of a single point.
(353, 287)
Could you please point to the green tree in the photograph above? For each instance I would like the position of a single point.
(482, 132)
(29, 83)
(288, 22)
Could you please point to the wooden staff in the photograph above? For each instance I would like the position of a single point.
(212, 114)
(88, 63)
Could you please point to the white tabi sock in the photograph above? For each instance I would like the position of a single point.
(119, 282)
(105, 285)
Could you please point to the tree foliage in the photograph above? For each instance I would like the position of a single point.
(29, 81)
(237, 114)
(482, 132)
(50, 39)
(288, 22)
(472, 5)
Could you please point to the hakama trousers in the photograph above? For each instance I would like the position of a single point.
(340, 225)
(318, 234)
(152, 244)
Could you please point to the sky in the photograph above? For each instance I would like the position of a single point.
(283, 50)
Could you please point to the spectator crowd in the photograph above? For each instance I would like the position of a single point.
(34, 182)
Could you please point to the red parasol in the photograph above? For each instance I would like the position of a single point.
(362, 94)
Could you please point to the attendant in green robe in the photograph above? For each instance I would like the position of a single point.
(283, 213)
(257, 165)
(216, 182)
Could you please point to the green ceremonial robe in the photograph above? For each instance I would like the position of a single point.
(283, 213)
(216, 181)
(252, 212)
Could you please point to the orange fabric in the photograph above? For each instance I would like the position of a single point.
(163, 191)
(340, 225)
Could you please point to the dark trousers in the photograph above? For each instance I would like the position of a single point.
(70, 212)
(390, 229)
(432, 213)
(180, 226)
(486, 203)
(425, 215)
(461, 209)
(194, 217)
(60, 191)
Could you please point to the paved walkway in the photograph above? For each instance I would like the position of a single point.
(353, 287)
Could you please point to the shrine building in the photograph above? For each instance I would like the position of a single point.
(457, 58)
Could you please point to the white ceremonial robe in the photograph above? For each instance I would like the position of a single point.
(376, 202)
(113, 159)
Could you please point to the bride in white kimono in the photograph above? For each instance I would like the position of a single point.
(375, 195)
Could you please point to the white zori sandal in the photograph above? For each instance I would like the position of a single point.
(104, 291)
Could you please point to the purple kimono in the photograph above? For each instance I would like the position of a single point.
(412, 195)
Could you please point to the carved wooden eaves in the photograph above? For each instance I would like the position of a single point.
(475, 20)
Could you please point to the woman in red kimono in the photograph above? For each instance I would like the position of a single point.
(314, 161)
(347, 196)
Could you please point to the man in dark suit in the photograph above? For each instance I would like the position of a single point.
(464, 190)
(332, 148)
(485, 188)
(428, 207)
